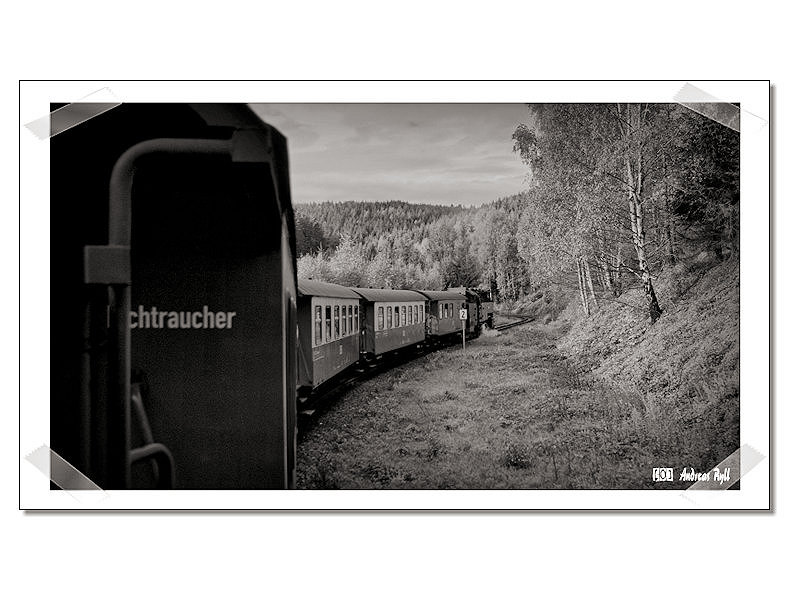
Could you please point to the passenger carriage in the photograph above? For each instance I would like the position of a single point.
(444, 318)
(329, 327)
(391, 319)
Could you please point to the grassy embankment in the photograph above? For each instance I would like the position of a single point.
(577, 403)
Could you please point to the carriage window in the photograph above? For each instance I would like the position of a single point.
(328, 323)
(411, 315)
(381, 318)
(318, 324)
(336, 317)
(343, 325)
(356, 319)
(452, 313)
(422, 314)
(389, 316)
(397, 317)
(441, 311)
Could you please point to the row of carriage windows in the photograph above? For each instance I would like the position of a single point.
(333, 322)
(399, 315)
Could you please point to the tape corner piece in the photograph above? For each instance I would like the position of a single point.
(709, 106)
(59, 471)
(73, 114)
(737, 465)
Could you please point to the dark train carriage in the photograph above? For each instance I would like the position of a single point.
(486, 306)
(473, 305)
(443, 310)
(329, 328)
(392, 319)
(487, 312)
(173, 315)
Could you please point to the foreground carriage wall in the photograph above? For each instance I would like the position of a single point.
(210, 236)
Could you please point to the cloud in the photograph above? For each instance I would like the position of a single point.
(436, 153)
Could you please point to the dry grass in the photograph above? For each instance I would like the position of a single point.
(527, 421)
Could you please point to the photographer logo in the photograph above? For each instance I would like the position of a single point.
(663, 474)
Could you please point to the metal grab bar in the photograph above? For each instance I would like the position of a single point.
(145, 426)
(163, 457)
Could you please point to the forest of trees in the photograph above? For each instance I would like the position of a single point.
(618, 192)
(399, 245)
(622, 190)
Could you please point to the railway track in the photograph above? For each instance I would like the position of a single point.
(519, 322)
(312, 406)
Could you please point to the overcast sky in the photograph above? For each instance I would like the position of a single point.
(422, 153)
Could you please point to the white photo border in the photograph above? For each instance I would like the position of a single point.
(35, 305)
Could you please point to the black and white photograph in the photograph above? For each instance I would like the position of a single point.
(450, 296)
(598, 292)
(412, 295)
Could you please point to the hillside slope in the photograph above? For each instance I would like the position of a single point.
(683, 371)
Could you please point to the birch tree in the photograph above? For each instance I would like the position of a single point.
(632, 122)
